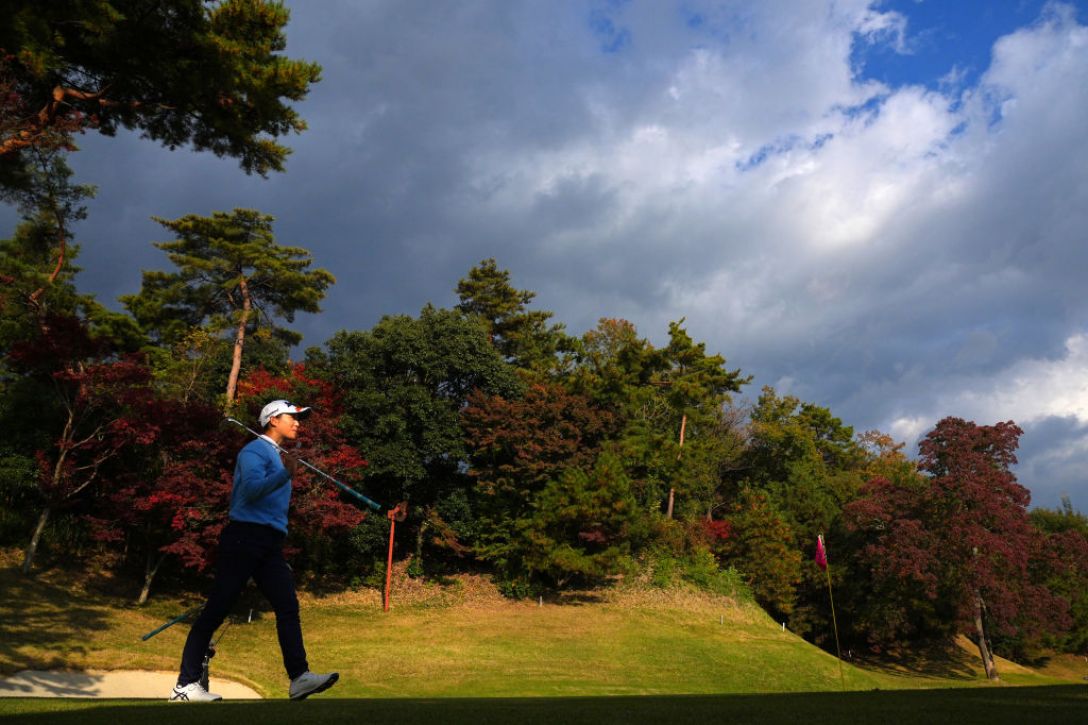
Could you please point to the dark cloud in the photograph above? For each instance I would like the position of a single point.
(892, 252)
(1052, 454)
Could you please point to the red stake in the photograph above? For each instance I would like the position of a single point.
(389, 563)
(395, 514)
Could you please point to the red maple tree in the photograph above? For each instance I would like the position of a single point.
(174, 501)
(96, 405)
(958, 539)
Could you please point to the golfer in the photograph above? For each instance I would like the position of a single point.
(251, 545)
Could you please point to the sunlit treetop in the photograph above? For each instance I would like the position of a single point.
(208, 74)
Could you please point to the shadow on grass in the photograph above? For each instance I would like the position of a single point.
(943, 660)
(67, 684)
(990, 705)
(42, 624)
(575, 599)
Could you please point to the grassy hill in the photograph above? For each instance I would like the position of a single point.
(462, 639)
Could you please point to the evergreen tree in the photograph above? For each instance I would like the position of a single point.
(809, 465)
(210, 74)
(522, 336)
(36, 263)
(231, 275)
(519, 447)
(614, 368)
(696, 387)
(760, 544)
(584, 525)
(50, 336)
(37, 260)
(655, 394)
(402, 386)
(1062, 568)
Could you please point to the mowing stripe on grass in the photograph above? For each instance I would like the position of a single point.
(986, 706)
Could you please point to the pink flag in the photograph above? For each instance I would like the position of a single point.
(821, 553)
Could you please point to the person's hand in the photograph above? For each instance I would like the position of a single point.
(290, 463)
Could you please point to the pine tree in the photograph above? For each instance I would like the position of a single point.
(521, 335)
(180, 71)
(696, 386)
(231, 275)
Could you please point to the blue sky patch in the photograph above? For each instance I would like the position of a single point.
(946, 41)
(612, 38)
(781, 146)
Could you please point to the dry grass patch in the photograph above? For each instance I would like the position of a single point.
(1065, 666)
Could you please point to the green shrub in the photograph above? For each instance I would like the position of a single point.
(518, 588)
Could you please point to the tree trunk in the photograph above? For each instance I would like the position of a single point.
(62, 238)
(58, 468)
(32, 548)
(33, 129)
(672, 491)
(36, 294)
(150, 570)
(419, 540)
(239, 343)
(983, 649)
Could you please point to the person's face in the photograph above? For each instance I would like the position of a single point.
(283, 427)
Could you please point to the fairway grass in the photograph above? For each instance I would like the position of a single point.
(991, 706)
(449, 644)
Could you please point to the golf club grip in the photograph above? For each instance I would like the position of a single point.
(343, 487)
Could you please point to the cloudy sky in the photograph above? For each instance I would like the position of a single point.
(880, 207)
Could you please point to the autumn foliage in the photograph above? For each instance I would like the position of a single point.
(959, 539)
(547, 461)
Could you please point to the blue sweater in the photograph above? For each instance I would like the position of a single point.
(262, 486)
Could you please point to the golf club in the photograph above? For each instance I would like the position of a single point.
(172, 622)
(346, 489)
(205, 666)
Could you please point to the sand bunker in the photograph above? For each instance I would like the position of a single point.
(113, 683)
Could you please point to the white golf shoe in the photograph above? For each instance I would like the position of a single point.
(193, 692)
(310, 683)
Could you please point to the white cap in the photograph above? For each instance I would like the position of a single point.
(279, 407)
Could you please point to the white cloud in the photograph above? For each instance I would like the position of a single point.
(1028, 391)
(1047, 398)
(910, 428)
(1032, 389)
(899, 254)
(884, 27)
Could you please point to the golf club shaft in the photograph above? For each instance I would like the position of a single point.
(346, 489)
(171, 623)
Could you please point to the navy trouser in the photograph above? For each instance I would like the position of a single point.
(248, 550)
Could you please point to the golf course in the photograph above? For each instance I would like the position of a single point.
(457, 651)
(514, 361)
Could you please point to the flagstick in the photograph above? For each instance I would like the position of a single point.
(835, 623)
